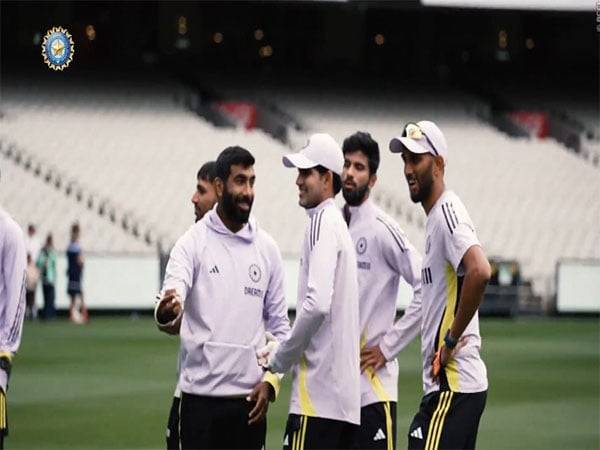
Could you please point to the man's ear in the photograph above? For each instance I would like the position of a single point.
(372, 181)
(219, 187)
(439, 163)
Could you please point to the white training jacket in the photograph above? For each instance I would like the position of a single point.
(323, 347)
(232, 286)
(13, 265)
(384, 255)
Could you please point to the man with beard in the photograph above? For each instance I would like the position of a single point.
(454, 275)
(323, 347)
(384, 256)
(227, 274)
(203, 199)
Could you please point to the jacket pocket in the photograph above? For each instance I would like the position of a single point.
(231, 361)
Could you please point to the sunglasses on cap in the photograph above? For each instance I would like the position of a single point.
(414, 131)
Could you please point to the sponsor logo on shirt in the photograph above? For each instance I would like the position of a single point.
(364, 265)
(254, 292)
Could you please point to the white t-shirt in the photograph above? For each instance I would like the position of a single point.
(449, 234)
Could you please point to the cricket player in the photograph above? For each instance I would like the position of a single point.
(227, 275)
(323, 347)
(454, 275)
(13, 264)
(203, 199)
(385, 255)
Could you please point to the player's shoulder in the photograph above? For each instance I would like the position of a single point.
(266, 241)
(194, 237)
(387, 228)
(451, 212)
(329, 216)
(10, 229)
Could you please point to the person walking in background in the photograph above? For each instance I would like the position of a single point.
(31, 280)
(32, 243)
(77, 311)
(47, 265)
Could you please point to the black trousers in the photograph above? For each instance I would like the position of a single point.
(447, 420)
(173, 426)
(49, 293)
(378, 426)
(305, 432)
(218, 423)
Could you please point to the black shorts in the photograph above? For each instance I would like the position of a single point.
(304, 432)
(378, 426)
(447, 420)
(218, 423)
(173, 426)
(74, 288)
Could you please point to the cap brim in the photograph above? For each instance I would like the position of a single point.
(399, 144)
(298, 160)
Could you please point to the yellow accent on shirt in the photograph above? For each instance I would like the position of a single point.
(306, 404)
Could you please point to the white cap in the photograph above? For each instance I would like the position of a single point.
(422, 137)
(320, 150)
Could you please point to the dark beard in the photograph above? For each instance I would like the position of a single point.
(355, 197)
(231, 209)
(425, 187)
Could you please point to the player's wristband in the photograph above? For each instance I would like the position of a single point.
(449, 341)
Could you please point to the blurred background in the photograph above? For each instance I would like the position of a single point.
(114, 141)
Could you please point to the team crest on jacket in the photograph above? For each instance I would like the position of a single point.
(255, 273)
(361, 246)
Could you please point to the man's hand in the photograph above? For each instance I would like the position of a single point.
(168, 312)
(371, 357)
(442, 357)
(261, 394)
(265, 354)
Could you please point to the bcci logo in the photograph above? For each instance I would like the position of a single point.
(58, 48)
(361, 246)
(254, 273)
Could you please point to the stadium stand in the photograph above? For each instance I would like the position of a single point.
(532, 201)
(31, 199)
(138, 151)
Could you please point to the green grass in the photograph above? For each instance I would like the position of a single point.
(109, 385)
